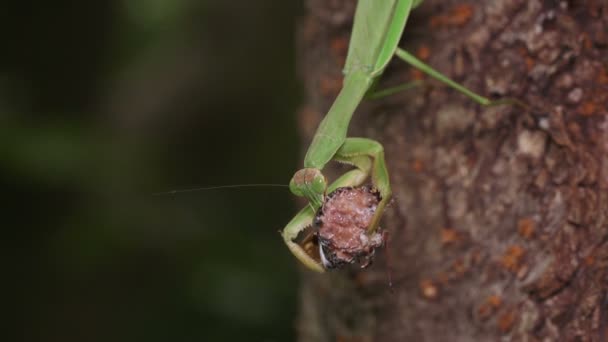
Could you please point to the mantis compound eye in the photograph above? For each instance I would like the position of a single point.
(319, 184)
(308, 182)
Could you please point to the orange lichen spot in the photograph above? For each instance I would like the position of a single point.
(588, 108)
(423, 52)
(330, 86)
(529, 63)
(512, 258)
(589, 260)
(506, 321)
(459, 15)
(476, 257)
(523, 52)
(575, 130)
(526, 227)
(437, 20)
(417, 165)
(339, 47)
(494, 300)
(459, 268)
(587, 42)
(484, 311)
(443, 278)
(602, 76)
(489, 307)
(429, 289)
(449, 236)
(417, 75)
(343, 338)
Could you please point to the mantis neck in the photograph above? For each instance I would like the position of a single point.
(333, 128)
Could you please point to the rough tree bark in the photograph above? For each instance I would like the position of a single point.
(499, 225)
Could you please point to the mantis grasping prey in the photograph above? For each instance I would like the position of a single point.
(377, 29)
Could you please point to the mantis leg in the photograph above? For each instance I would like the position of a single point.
(299, 223)
(355, 177)
(427, 69)
(393, 90)
(367, 156)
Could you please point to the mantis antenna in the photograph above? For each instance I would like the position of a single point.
(233, 186)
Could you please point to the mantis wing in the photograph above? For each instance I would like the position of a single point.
(377, 28)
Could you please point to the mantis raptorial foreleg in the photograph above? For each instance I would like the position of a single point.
(366, 151)
(290, 233)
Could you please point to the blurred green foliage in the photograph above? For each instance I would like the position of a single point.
(103, 103)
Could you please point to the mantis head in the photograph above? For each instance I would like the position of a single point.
(310, 183)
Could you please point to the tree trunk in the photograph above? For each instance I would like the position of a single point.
(499, 222)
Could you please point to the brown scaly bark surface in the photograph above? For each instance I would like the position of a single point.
(500, 220)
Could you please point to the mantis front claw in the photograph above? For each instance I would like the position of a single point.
(304, 250)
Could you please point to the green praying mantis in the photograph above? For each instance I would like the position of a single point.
(377, 29)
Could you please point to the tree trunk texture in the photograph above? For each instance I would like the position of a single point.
(499, 222)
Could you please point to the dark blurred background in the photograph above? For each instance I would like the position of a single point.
(102, 104)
